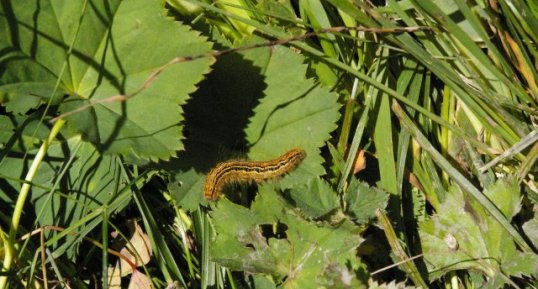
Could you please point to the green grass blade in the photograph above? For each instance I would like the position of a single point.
(165, 258)
(465, 184)
(397, 248)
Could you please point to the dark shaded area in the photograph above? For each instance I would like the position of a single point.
(28, 33)
(375, 252)
(278, 231)
(217, 114)
(17, 26)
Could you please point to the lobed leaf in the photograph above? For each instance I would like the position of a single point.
(271, 239)
(295, 112)
(462, 235)
(316, 198)
(363, 201)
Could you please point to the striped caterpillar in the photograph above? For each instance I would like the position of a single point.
(236, 171)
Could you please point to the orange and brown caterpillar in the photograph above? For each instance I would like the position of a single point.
(236, 171)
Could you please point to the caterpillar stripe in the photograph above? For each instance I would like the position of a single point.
(236, 171)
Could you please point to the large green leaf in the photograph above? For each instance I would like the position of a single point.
(271, 238)
(363, 201)
(463, 236)
(294, 112)
(96, 51)
(215, 119)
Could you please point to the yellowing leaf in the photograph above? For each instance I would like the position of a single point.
(139, 281)
(138, 251)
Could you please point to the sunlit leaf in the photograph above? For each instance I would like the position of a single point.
(110, 53)
(463, 236)
(295, 112)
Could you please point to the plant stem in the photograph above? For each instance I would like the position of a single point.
(21, 200)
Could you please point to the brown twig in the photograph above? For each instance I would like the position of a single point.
(43, 260)
(396, 264)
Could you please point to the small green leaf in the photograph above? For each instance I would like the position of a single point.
(263, 282)
(316, 198)
(521, 264)
(505, 194)
(451, 240)
(187, 191)
(22, 133)
(531, 230)
(21, 97)
(363, 201)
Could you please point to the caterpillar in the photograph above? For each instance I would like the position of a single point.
(237, 171)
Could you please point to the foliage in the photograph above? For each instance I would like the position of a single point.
(418, 119)
(272, 238)
(463, 236)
